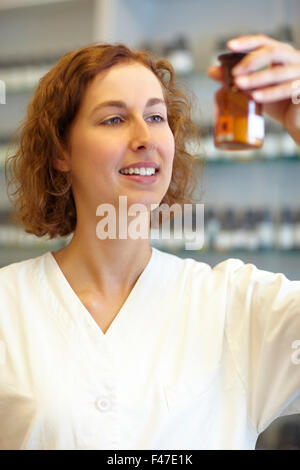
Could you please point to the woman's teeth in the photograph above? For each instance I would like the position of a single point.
(138, 171)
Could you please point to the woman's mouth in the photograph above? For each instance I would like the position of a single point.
(140, 175)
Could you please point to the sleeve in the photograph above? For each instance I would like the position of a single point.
(263, 332)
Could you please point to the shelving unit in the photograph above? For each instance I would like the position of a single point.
(102, 19)
(223, 171)
(16, 4)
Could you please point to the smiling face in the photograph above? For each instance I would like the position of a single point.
(103, 140)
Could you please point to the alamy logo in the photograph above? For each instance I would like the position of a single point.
(2, 92)
(295, 357)
(188, 225)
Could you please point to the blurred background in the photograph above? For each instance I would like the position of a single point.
(251, 198)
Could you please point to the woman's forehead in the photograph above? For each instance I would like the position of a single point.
(122, 76)
(124, 82)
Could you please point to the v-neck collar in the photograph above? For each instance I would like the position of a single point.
(71, 303)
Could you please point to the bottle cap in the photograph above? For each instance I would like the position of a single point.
(233, 58)
(228, 61)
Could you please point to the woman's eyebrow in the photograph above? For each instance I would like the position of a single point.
(121, 104)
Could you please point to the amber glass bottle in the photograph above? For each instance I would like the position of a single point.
(238, 119)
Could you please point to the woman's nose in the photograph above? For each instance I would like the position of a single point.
(141, 135)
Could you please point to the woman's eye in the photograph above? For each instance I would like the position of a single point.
(157, 115)
(112, 119)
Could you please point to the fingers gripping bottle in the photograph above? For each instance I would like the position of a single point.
(238, 119)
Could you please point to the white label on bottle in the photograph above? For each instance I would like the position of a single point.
(256, 126)
(225, 138)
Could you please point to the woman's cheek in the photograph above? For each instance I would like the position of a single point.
(104, 153)
(172, 143)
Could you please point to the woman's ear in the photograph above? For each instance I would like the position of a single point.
(61, 163)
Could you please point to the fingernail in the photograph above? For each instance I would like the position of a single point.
(233, 43)
(257, 95)
(236, 69)
(241, 80)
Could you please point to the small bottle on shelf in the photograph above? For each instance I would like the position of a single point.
(223, 240)
(250, 225)
(211, 228)
(296, 231)
(238, 119)
(265, 229)
(230, 227)
(180, 55)
(285, 232)
(240, 235)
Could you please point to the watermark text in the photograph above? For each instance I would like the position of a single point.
(177, 223)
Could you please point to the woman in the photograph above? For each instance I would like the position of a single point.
(112, 344)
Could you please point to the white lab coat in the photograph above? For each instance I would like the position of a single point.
(197, 358)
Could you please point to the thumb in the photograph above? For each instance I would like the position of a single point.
(215, 72)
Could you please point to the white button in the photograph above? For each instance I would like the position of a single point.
(103, 404)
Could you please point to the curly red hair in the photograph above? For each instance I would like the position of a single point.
(43, 200)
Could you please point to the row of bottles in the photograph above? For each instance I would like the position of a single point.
(276, 146)
(246, 229)
(13, 236)
(223, 231)
(179, 51)
(19, 75)
(252, 229)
